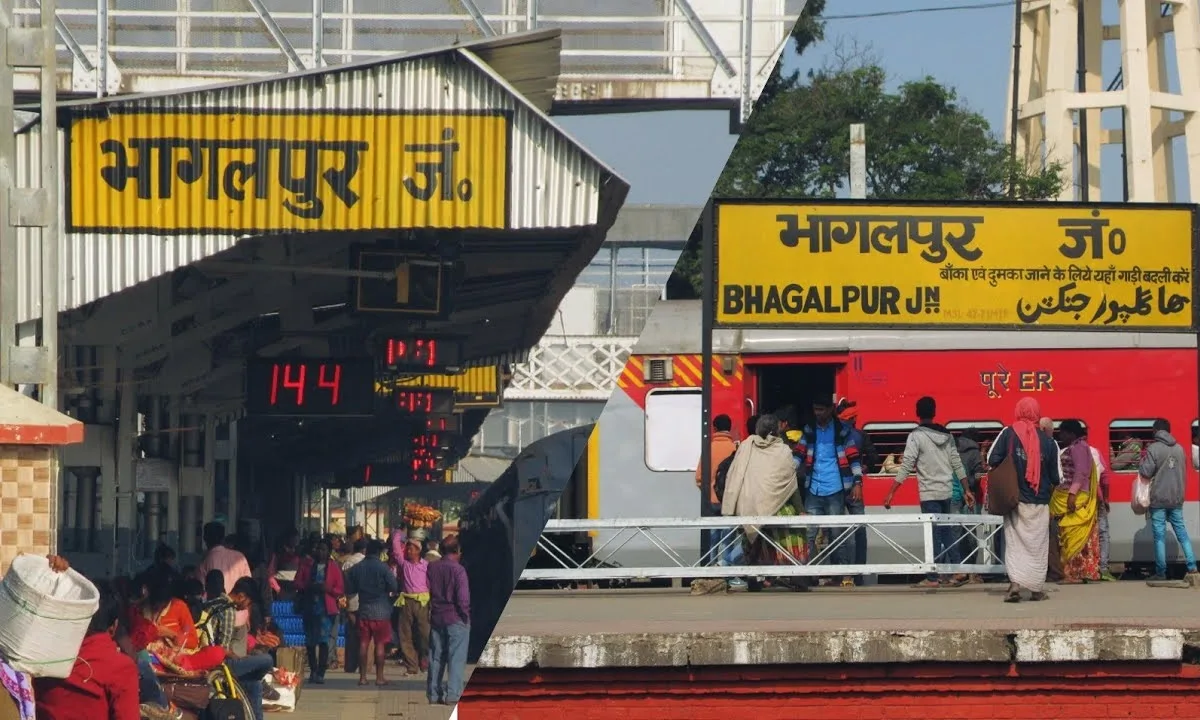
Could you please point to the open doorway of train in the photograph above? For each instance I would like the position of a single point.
(795, 384)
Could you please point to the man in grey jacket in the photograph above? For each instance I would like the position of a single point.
(931, 451)
(1164, 464)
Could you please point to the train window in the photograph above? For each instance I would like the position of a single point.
(1127, 440)
(1196, 444)
(888, 439)
(673, 430)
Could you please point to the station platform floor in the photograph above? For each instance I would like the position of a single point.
(340, 698)
(578, 629)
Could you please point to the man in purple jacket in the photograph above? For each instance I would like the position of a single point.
(450, 623)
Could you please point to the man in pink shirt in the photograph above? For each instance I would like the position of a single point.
(414, 608)
(232, 565)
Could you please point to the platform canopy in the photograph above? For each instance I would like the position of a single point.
(271, 217)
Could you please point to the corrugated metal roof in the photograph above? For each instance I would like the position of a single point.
(553, 181)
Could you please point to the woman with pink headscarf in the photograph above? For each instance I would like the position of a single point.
(1027, 529)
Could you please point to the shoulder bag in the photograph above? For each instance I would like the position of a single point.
(1003, 490)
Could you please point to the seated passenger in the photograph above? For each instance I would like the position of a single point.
(161, 625)
(218, 622)
(160, 616)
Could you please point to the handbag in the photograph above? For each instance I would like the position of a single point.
(188, 694)
(1139, 501)
(1003, 489)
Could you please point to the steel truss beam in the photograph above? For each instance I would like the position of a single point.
(277, 35)
(842, 527)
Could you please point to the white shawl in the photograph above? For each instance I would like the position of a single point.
(760, 481)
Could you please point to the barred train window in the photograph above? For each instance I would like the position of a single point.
(1127, 440)
(889, 439)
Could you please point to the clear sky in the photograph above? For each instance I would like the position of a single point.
(969, 50)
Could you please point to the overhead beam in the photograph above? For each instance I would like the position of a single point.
(478, 18)
(276, 34)
(73, 46)
(247, 267)
(706, 38)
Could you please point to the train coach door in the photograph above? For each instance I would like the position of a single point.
(797, 381)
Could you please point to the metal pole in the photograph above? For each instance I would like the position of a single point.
(318, 33)
(612, 290)
(9, 272)
(707, 318)
(1015, 114)
(50, 230)
(747, 60)
(858, 161)
(1081, 53)
(101, 46)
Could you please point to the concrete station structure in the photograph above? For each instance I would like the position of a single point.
(1111, 651)
(169, 288)
(160, 303)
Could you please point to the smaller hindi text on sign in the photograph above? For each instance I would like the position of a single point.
(1060, 265)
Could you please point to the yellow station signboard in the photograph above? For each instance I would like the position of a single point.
(1050, 265)
(180, 172)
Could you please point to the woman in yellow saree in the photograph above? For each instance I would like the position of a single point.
(1076, 504)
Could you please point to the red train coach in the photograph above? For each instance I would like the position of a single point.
(1116, 384)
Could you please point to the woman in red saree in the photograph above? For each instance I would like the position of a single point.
(161, 625)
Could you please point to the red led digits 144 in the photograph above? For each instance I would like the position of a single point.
(294, 378)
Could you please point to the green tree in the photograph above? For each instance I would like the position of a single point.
(922, 144)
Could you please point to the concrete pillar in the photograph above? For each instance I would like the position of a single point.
(233, 475)
(188, 507)
(126, 490)
(210, 468)
(153, 503)
(69, 528)
(173, 496)
(104, 537)
(191, 489)
(86, 516)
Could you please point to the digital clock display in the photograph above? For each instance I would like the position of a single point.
(423, 401)
(425, 455)
(310, 387)
(421, 354)
(451, 424)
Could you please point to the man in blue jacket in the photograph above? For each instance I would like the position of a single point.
(833, 474)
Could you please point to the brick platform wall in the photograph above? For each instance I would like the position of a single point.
(26, 500)
(1098, 691)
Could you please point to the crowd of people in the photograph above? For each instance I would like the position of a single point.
(1055, 527)
(405, 600)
